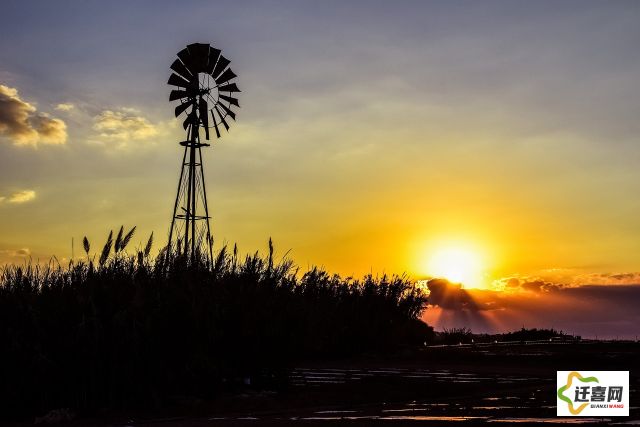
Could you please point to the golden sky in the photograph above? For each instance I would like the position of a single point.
(371, 138)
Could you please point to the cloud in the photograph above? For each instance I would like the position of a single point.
(65, 107)
(50, 130)
(123, 125)
(606, 310)
(555, 279)
(21, 123)
(13, 255)
(449, 295)
(608, 278)
(22, 196)
(537, 285)
(24, 252)
(19, 196)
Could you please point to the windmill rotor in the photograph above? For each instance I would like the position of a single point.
(205, 82)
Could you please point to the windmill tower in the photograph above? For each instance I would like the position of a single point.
(205, 90)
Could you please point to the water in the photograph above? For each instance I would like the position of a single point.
(419, 395)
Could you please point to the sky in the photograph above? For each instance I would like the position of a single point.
(373, 137)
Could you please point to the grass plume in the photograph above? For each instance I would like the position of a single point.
(106, 249)
(147, 248)
(127, 238)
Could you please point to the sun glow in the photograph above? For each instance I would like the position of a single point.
(456, 264)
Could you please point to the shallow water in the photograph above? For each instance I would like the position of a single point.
(516, 402)
(559, 420)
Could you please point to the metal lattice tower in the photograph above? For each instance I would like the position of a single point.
(205, 89)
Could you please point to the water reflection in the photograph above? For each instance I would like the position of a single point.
(449, 397)
(558, 420)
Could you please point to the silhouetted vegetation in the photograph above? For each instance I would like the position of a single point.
(534, 335)
(455, 336)
(466, 336)
(129, 330)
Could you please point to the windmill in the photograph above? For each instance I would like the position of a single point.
(205, 90)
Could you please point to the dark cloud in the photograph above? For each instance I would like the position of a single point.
(587, 310)
(536, 285)
(539, 286)
(450, 295)
(23, 125)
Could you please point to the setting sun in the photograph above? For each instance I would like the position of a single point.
(456, 264)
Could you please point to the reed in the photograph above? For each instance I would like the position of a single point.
(135, 330)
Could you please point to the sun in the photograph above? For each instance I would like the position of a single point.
(456, 264)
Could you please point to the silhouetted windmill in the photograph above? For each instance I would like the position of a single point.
(205, 92)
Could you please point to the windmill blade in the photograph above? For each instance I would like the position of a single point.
(228, 111)
(180, 108)
(200, 54)
(187, 60)
(224, 122)
(215, 125)
(204, 116)
(179, 94)
(176, 80)
(230, 100)
(220, 66)
(202, 111)
(179, 68)
(213, 58)
(231, 87)
(226, 76)
(195, 83)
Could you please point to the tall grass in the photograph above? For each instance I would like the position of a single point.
(131, 330)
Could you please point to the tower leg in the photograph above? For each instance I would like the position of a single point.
(206, 208)
(189, 214)
(175, 205)
(192, 208)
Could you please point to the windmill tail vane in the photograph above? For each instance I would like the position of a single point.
(206, 91)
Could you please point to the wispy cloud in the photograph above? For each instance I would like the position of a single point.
(67, 106)
(18, 197)
(22, 124)
(23, 252)
(123, 125)
(14, 255)
(554, 279)
(609, 278)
